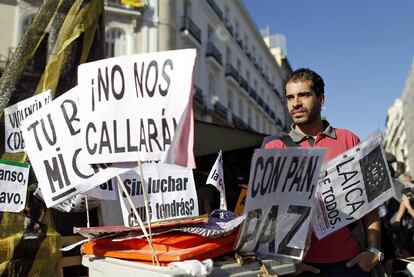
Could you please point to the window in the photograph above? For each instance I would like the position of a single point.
(27, 21)
(211, 88)
(226, 15)
(249, 116)
(210, 34)
(237, 29)
(253, 53)
(115, 43)
(230, 100)
(241, 109)
(187, 8)
(246, 43)
(239, 67)
(228, 55)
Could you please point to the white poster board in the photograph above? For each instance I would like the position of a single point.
(171, 193)
(279, 202)
(134, 106)
(15, 114)
(13, 186)
(351, 185)
(53, 143)
(105, 191)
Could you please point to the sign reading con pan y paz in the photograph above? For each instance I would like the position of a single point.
(279, 203)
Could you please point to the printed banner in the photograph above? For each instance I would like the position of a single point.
(13, 186)
(280, 197)
(134, 107)
(53, 143)
(350, 186)
(15, 114)
(171, 193)
(216, 179)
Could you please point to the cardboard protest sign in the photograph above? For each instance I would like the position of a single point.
(279, 202)
(13, 186)
(53, 143)
(171, 193)
(216, 179)
(134, 106)
(15, 114)
(351, 185)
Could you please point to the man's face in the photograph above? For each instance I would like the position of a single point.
(303, 105)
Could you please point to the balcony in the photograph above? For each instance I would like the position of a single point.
(243, 84)
(252, 93)
(273, 115)
(228, 26)
(220, 110)
(215, 8)
(267, 109)
(240, 123)
(190, 28)
(232, 74)
(259, 101)
(214, 54)
(239, 41)
(198, 96)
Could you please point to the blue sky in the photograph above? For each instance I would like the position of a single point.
(362, 48)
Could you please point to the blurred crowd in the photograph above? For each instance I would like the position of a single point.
(397, 219)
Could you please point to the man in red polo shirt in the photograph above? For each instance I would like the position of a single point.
(338, 254)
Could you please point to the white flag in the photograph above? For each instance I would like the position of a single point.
(216, 178)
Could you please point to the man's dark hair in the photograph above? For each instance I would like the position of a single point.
(305, 74)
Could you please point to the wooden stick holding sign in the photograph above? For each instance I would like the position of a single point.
(144, 190)
(141, 224)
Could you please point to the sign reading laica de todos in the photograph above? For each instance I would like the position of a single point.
(279, 201)
(13, 186)
(171, 193)
(15, 114)
(132, 105)
(53, 143)
(351, 185)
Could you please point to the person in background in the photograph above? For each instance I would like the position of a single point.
(338, 254)
(404, 219)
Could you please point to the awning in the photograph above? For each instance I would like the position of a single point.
(209, 138)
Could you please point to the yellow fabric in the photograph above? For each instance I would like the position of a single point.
(11, 233)
(78, 20)
(133, 3)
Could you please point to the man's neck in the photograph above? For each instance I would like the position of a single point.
(311, 129)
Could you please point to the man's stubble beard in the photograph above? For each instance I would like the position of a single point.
(312, 116)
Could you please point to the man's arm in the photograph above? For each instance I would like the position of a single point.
(407, 205)
(367, 260)
(400, 212)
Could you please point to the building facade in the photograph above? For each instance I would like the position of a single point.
(396, 136)
(238, 78)
(407, 98)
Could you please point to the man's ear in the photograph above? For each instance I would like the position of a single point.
(322, 100)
